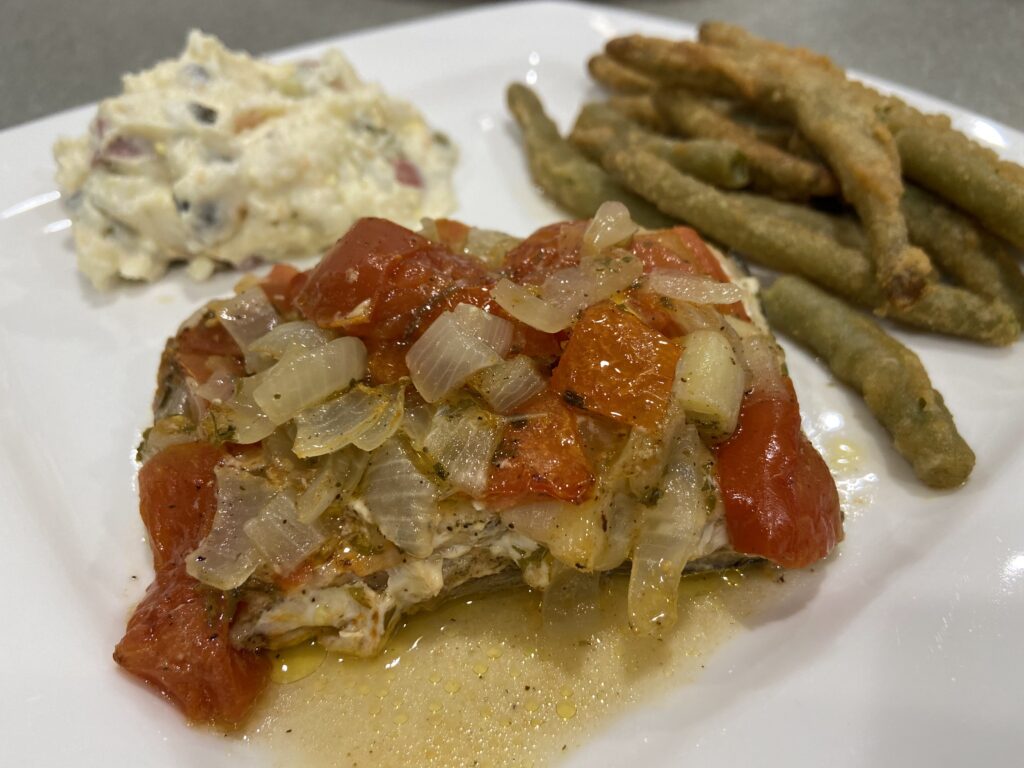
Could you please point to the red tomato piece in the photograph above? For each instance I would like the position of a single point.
(453, 234)
(381, 279)
(385, 361)
(282, 285)
(616, 367)
(550, 248)
(178, 640)
(780, 499)
(178, 498)
(541, 456)
(205, 346)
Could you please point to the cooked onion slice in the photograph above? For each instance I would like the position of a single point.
(416, 418)
(283, 539)
(387, 419)
(595, 279)
(695, 289)
(366, 416)
(762, 359)
(400, 499)
(336, 478)
(305, 377)
(298, 335)
(611, 226)
(461, 443)
(509, 384)
(247, 317)
(455, 346)
(227, 557)
(669, 534)
(245, 423)
(528, 308)
(218, 388)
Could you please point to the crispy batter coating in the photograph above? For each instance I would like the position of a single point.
(890, 377)
(775, 170)
(618, 77)
(716, 162)
(788, 245)
(563, 172)
(843, 127)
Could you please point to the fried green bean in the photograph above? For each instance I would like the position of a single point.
(944, 161)
(845, 230)
(891, 378)
(841, 126)
(962, 250)
(563, 172)
(775, 170)
(618, 77)
(790, 246)
(715, 162)
(640, 109)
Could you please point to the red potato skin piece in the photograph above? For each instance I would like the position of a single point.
(617, 367)
(541, 457)
(177, 639)
(780, 500)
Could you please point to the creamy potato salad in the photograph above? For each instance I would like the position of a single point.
(218, 158)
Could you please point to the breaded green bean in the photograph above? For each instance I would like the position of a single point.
(563, 172)
(890, 377)
(789, 246)
(618, 77)
(961, 249)
(716, 162)
(640, 109)
(944, 161)
(774, 169)
(841, 126)
(845, 230)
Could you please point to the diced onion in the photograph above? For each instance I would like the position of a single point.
(510, 383)
(575, 288)
(387, 420)
(528, 308)
(401, 500)
(305, 377)
(416, 418)
(298, 335)
(489, 245)
(455, 346)
(337, 476)
(709, 384)
(227, 557)
(669, 535)
(695, 289)
(365, 416)
(573, 533)
(247, 317)
(761, 356)
(219, 387)
(611, 226)
(461, 443)
(245, 423)
(283, 539)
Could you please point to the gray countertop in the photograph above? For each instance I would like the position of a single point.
(56, 54)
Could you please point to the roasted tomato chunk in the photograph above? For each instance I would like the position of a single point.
(282, 285)
(178, 498)
(616, 367)
(550, 248)
(381, 280)
(206, 346)
(178, 640)
(178, 637)
(541, 455)
(780, 500)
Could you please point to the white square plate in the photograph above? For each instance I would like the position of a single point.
(906, 650)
